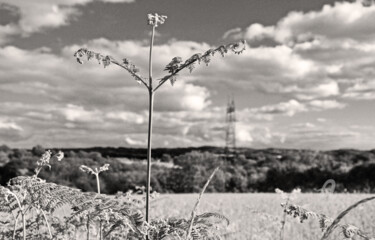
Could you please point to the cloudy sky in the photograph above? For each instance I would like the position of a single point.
(306, 80)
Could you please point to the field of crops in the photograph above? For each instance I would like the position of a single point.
(258, 216)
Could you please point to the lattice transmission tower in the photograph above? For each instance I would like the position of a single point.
(230, 134)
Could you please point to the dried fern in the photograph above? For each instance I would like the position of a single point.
(326, 224)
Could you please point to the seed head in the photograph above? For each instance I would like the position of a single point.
(155, 19)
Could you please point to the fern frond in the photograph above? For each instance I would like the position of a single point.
(107, 60)
(176, 64)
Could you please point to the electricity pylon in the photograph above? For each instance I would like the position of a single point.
(230, 135)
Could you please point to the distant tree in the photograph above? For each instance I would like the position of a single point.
(166, 158)
(18, 154)
(3, 158)
(38, 150)
(5, 148)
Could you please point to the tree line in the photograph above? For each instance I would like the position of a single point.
(249, 170)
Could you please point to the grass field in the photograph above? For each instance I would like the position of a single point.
(248, 222)
(258, 216)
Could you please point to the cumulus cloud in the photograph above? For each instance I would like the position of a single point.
(326, 104)
(11, 131)
(361, 91)
(75, 113)
(322, 137)
(335, 45)
(284, 108)
(132, 142)
(9, 125)
(55, 100)
(289, 108)
(51, 91)
(343, 20)
(37, 15)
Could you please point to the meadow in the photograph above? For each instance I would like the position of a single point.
(57, 189)
(258, 215)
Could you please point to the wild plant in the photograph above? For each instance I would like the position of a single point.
(95, 172)
(173, 69)
(287, 197)
(327, 224)
(24, 194)
(203, 226)
(27, 193)
(112, 215)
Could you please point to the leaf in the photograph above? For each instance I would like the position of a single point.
(206, 59)
(98, 57)
(173, 79)
(106, 61)
(191, 67)
(174, 65)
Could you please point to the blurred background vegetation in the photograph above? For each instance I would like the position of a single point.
(185, 170)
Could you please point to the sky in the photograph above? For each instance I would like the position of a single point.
(306, 79)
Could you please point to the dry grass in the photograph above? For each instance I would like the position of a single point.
(258, 216)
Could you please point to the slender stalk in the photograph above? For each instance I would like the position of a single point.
(100, 221)
(149, 138)
(334, 224)
(150, 57)
(24, 225)
(100, 231)
(97, 182)
(22, 213)
(194, 212)
(46, 220)
(283, 221)
(15, 226)
(151, 105)
(88, 227)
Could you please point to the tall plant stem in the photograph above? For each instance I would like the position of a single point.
(22, 213)
(46, 220)
(24, 225)
(151, 105)
(88, 228)
(149, 138)
(283, 221)
(97, 182)
(100, 230)
(15, 226)
(194, 212)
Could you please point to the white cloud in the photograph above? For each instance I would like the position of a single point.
(343, 20)
(4, 124)
(183, 96)
(335, 44)
(364, 90)
(38, 15)
(79, 114)
(322, 120)
(257, 31)
(326, 104)
(289, 108)
(315, 91)
(127, 117)
(132, 142)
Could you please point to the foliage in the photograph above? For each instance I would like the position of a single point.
(119, 217)
(326, 224)
(250, 171)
